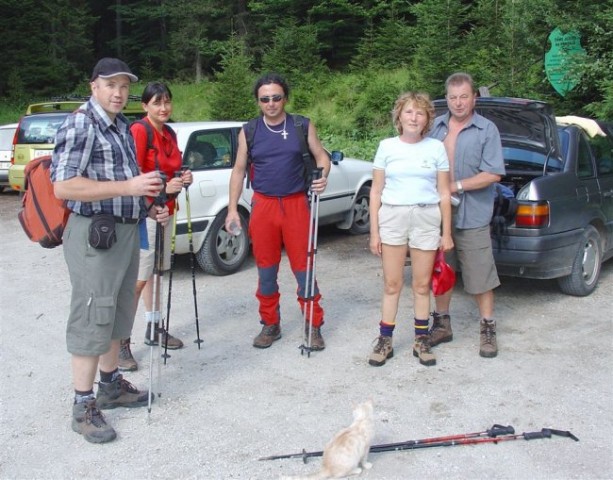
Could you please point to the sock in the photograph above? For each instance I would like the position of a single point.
(82, 397)
(109, 377)
(489, 321)
(386, 329)
(421, 327)
(150, 317)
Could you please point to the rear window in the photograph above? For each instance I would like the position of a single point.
(528, 160)
(40, 129)
(6, 138)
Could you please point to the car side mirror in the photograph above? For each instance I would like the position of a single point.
(336, 156)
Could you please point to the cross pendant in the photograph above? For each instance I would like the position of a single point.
(284, 133)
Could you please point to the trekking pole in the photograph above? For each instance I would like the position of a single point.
(309, 287)
(497, 433)
(191, 261)
(157, 274)
(173, 239)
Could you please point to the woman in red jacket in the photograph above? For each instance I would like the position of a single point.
(165, 156)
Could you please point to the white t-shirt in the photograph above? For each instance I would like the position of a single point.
(410, 170)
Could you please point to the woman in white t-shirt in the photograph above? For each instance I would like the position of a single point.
(409, 208)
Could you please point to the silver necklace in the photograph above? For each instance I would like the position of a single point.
(282, 131)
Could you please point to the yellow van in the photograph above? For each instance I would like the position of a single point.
(35, 134)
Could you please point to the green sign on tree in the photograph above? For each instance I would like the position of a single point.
(561, 60)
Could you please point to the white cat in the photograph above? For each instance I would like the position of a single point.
(347, 453)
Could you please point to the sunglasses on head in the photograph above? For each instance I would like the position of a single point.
(272, 98)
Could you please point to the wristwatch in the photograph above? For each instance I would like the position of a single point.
(459, 187)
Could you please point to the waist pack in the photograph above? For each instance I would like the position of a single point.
(43, 216)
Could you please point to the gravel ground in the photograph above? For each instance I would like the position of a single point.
(226, 405)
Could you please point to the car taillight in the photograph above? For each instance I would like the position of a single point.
(14, 142)
(532, 215)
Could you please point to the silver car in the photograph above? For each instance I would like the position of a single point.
(209, 150)
(7, 132)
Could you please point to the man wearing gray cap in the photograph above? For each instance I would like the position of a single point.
(94, 168)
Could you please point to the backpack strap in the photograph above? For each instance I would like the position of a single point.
(303, 138)
(249, 129)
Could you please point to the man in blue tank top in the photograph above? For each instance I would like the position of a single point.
(280, 213)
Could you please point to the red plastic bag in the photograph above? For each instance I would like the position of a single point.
(443, 276)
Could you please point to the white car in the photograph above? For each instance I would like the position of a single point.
(209, 150)
(7, 132)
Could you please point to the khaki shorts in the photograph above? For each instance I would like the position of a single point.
(473, 253)
(419, 226)
(147, 257)
(102, 306)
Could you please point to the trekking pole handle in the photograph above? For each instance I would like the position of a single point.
(184, 168)
(161, 197)
(544, 433)
(497, 430)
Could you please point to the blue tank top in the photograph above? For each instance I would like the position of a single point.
(278, 168)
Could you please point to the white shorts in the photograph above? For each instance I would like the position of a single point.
(419, 226)
(147, 257)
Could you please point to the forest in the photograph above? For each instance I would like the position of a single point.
(346, 60)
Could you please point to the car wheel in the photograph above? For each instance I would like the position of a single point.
(222, 253)
(586, 268)
(361, 212)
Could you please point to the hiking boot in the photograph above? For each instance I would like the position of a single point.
(421, 349)
(441, 329)
(317, 341)
(382, 351)
(88, 421)
(489, 346)
(126, 360)
(120, 393)
(160, 332)
(269, 334)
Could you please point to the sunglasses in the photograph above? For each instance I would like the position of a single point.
(273, 98)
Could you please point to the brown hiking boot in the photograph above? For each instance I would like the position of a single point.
(421, 349)
(88, 421)
(489, 346)
(160, 332)
(269, 334)
(317, 341)
(382, 351)
(120, 393)
(126, 360)
(441, 329)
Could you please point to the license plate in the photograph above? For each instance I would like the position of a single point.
(41, 153)
(5, 165)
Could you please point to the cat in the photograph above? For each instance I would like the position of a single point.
(346, 453)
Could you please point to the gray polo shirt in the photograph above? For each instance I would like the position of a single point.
(478, 149)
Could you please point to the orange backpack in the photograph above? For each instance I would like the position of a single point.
(43, 216)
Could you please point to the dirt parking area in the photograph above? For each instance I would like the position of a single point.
(224, 406)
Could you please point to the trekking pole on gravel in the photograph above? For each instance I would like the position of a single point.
(173, 240)
(498, 433)
(191, 261)
(158, 272)
(309, 283)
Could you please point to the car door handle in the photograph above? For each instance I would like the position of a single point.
(608, 194)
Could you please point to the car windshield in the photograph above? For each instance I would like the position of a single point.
(6, 138)
(40, 129)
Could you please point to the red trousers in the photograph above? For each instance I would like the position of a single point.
(278, 222)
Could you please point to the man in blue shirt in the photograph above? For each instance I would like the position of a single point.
(476, 163)
(94, 168)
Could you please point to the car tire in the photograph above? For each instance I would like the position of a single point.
(221, 253)
(586, 267)
(361, 212)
